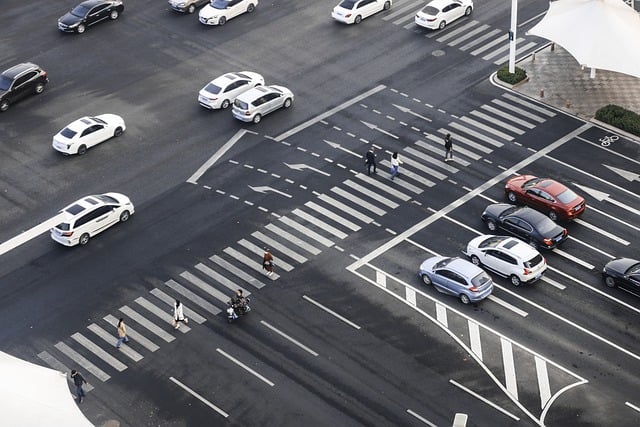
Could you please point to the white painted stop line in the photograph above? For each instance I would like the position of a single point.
(31, 233)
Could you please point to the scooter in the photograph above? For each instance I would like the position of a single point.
(235, 310)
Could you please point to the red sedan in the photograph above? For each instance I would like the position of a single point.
(545, 195)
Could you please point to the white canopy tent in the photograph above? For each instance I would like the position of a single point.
(603, 34)
(33, 396)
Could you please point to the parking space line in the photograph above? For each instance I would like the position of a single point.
(553, 283)
(507, 305)
(574, 259)
(601, 231)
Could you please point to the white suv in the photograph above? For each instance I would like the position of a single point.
(508, 257)
(91, 215)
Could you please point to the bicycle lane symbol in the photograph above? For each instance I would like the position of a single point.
(607, 140)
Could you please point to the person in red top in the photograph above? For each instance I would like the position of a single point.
(267, 262)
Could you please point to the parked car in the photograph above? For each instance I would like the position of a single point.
(19, 82)
(623, 272)
(255, 103)
(218, 12)
(545, 195)
(458, 277)
(222, 91)
(188, 6)
(86, 132)
(89, 12)
(508, 257)
(354, 11)
(526, 224)
(438, 13)
(89, 216)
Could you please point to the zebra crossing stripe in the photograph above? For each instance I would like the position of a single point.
(497, 122)
(501, 49)
(61, 367)
(204, 286)
(509, 368)
(407, 173)
(513, 109)
(468, 35)
(260, 252)
(357, 200)
(280, 248)
(509, 117)
(319, 223)
(188, 312)
(474, 338)
(249, 262)
(519, 52)
(372, 194)
(154, 309)
(133, 334)
(529, 105)
(193, 297)
(439, 163)
(500, 39)
(346, 209)
(293, 239)
(460, 138)
(229, 284)
(384, 187)
(543, 381)
(306, 231)
(486, 128)
(138, 318)
(106, 336)
(400, 11)
(238, 272)
(329, 214)
(98, 351)
(458, 148)
(480, 39)
(452, 34)
(476, 134)
(82, 361)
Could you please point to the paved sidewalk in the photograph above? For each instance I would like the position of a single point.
(563, 80)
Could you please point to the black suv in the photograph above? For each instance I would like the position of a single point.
(20, 81)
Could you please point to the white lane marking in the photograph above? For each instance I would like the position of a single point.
(381, 279)
(245, 367)
(79, 359)
(543, 381)
(441, 314)
(202, 169)
(632, 406)
(477, 396)
(574, 259)
(593, 248)
(410, 296)
(611, 217)
(99, 351)
(474, 338)
(331, 312)
(609, 150)
(133, 334)
(552, 282)
(199, 397)
(507, 305)
(421, 418)
(31, 233)
(328, 113)
(601, 231)
(282, 334)
(509, 368)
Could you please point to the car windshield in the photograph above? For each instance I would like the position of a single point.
(219, 4)
(443, 263)
(211, 88)
(509, 210)
(545, 226)
(241, 105)
(98, 120)
(68, 133)
(430, 10)
(480, 279)
(567, 196)
(64, 226)
(106, 199)
(491, 242)
(5, 82)
(80, 11)
(531, 182)
(533, 261)
(634, 269)
(348, 4)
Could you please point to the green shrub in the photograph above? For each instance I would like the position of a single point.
(506, 76)
(619, 117)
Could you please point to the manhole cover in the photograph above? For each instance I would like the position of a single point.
(438, 52)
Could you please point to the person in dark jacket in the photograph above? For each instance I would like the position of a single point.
(448, 146)
(79, 381)
(370, 160)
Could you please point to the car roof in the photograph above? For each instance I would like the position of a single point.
(91, 3)
(81, 124)
(439, 4)
(530, 215)
(464, 267)
(551, 186)
(19, 69)
(254, 93)
(87, 202)
(517, 248)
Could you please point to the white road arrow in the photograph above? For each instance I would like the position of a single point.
(263, 189)
(340, 147)
(374, 127)
(629, 176)
(408, 110)
(602, 196)
(302, 166)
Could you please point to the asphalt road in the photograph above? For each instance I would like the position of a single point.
(345, 333)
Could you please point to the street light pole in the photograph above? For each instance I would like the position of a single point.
(512, 36)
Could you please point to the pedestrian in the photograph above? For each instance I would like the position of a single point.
(267, 262)
(79, 381)
(370, 160)
(395, 164)
(448, 146)
(122, 333)
(178, 315)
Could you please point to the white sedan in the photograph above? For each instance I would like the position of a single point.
(86, 132)
(222, 91)
(354, 11)
(437, 14)
(218, 12)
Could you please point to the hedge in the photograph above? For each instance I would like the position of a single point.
(506, 76)
(619, 117)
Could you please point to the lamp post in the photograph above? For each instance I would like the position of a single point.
(512, 36)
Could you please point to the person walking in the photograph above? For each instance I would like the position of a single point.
(395, 164)
(79, 381)
(448, 146)
(267, 262)
(122, 333)
(370, 160)
(178, 314)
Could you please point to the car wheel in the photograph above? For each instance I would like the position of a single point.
(464, 298)
(427, 280)
(287, 103)
(117, 132)
(4, 105)
(610, 281)
(257, 118)
(39, 88)
(442, 25)
(222, 21)
(114, 14)
(491, 225)
(553, 215)
(511, 196)
(475, 260)
(84, 239)
(124, 216)
(80, 29)
(387, 5)
(467, 12)
(225, 104)
(357, 20)
(515, 280)
(82, 149)
(192, 8)
(251, 8)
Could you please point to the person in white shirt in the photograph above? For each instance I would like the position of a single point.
(395, 164)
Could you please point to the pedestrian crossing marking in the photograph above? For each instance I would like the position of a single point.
(346, 209)
(177, 287)
(306, 231)
(319, 223)
(249, 262)
(188, 312)
(468, 35)
(260, 252)
(451, 34)
(528, 104)
(82, 361)
(489, 45)
(513, 109)
(486, 128)
(497, 122)
(238, 272)
(166, 318)
(133, 334)
(519, 51)
(400, 11)
(457, 137)
(358, 201)
(280, 248)
(458, 148)
(195, 280)
(435, 162)
(372, 194)
(108, 337)
(509, 117)
(229, 284)
(99, 351)
(476, 134)
(480, 39)
(335, 217)
(59, 366)
(141, 320)
(293, 239)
